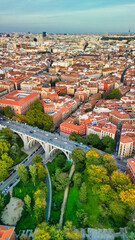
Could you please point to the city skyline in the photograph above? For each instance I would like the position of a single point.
(67, 17)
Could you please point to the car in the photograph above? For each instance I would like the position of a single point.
(65, 142)
(10, 185)
(55, 138)
(31, 131)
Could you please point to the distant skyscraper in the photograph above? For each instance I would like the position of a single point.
(44, 34)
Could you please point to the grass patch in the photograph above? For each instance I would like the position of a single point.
(72, 205)
(92, 207)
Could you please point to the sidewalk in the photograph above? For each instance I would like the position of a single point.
(66, 195)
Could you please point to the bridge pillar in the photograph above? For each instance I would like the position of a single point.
(46, 151)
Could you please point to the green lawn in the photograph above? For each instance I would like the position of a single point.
(72, 205)
(92, 207)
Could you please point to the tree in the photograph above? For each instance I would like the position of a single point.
(60, 160)
(120, 181)
(8, 160)
(41, 172)
(3, 170)
(78, 156)
(37, 118)
(131, 230)
(36, 105)
(77, 137)
(39, 209)
(93, 139)
(56, 232)
(128, 197)
(88, 110)
(14, 139)
(83, 194)
(111, 167)
(8, 112)
(77, 178)
(22, 171)
(93, 158)
(117, 209)
(107, 194)
(4, 146)
(37, 159)
(71, 233)
(42, 232)
(13, 151)
(19, 118)
(109, 163)
(108, 143)
(33, 173)
(40, 193)
(1, 202)
(7, 132)
(60, 180)
(97, 175)
(27, 200)
(82, 218)
(115, 94)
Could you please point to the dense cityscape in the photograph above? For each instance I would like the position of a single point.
(67, 136)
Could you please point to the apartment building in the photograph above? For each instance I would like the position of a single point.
(102, 129)
(19, 101)
(130, 168)
(125, 146)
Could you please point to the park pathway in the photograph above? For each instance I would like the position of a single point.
(66, 195)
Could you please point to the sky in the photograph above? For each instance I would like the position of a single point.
(67, 16)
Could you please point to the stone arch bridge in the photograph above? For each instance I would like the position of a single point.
(50, 142)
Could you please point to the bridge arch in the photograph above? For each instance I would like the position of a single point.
(20, 135)
(58, 150)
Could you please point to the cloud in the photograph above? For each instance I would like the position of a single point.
(109, 15)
